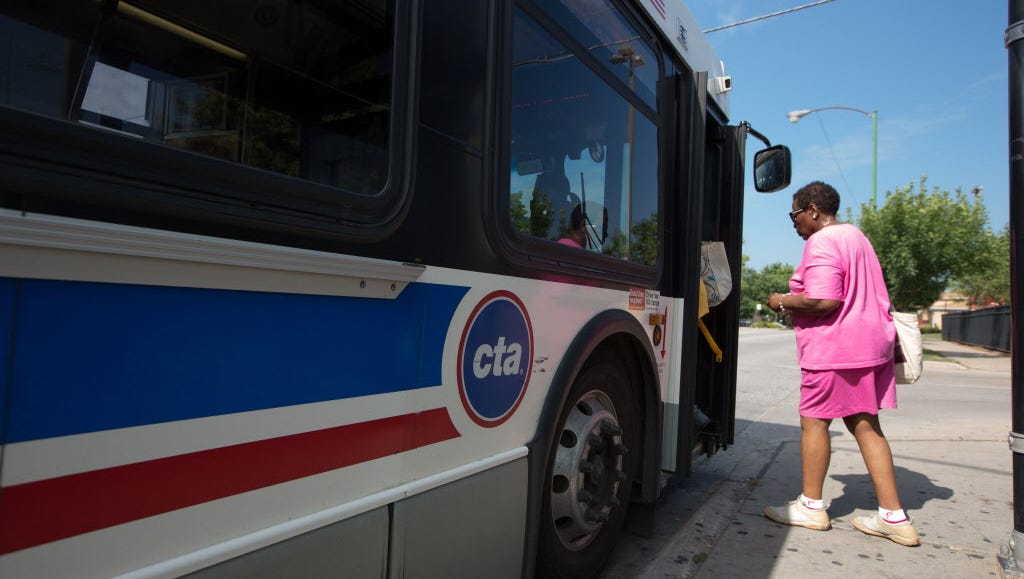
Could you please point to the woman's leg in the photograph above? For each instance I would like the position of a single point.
(877, 457)
(815, 453)
(815, 450)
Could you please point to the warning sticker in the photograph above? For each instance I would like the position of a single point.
(637, 298)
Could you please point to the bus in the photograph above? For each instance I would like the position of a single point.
(357, 288)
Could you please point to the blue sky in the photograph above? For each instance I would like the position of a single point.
(936, 71)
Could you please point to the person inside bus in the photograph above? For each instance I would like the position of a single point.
(845, 335)
(553, 201)
(577, 234)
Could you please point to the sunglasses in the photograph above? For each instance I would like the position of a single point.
(795, 212)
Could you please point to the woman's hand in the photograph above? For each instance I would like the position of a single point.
(775, 302)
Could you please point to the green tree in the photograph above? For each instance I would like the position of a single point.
(616, 246)
(748, 301)
(517, 213)
(924, 240)
(990, 283)
(540, 215)
(756, 285)
(644, 248)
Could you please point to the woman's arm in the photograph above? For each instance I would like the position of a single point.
(788, 303)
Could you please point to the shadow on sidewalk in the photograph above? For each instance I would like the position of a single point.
(857, 492)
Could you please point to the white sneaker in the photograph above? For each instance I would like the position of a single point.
(903, 533)
(796, 514)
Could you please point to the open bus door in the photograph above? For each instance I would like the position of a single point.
(721, 220)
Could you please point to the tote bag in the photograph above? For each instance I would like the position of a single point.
(908, 341)
(714, 271)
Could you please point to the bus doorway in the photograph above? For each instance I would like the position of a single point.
(720, 211)
(721, 222)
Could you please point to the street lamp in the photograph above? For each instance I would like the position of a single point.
(626, 54)
(795, 116)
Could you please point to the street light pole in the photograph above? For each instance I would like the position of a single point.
(1011, 555)
(626, 54)
(795, 116)
(874, 156)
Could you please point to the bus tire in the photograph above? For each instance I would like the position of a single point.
(590, 473)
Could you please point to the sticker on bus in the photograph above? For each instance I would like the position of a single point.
(495, 358)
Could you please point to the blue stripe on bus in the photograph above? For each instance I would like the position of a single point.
(95, 356)
(7, 296)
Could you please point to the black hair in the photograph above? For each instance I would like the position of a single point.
(576, 218)
(821, 194)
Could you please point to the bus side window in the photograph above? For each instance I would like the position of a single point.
(579, 141)
(301, 90)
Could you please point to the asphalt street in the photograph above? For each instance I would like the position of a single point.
(953, 467)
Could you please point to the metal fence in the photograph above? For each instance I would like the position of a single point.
(988, 328)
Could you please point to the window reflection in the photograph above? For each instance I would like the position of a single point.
(117, 94)
(578, 143)
(301, 88)
(599, 26)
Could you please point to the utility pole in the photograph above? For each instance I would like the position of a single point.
(1011, 556)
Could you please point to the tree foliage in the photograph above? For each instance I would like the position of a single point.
(640, 247)
(990, 283)
(517, 213)
(644, 248)
(925, 240)
(756, 285)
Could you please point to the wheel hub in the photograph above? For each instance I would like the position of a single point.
(588, 471)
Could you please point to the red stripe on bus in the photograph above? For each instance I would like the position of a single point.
(43, 511)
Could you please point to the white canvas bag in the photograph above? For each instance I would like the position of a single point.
(714, 271)
(909, 336)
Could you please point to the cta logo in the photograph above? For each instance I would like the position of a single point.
(495, 358)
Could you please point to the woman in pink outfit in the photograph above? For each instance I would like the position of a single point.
(844, 335)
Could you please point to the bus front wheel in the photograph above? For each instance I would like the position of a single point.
(588, 480)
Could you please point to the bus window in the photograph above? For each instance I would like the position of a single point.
(299, 88)
(612, 40)
(579, 141)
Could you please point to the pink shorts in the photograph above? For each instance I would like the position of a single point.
(840, 393)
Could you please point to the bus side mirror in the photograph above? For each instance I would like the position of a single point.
(772, 169)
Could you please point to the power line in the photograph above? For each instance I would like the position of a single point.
(835, 158)
(755, 19)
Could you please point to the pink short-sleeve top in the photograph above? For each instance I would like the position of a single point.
(839, 264)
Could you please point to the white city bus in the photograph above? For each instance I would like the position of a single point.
(286, 286)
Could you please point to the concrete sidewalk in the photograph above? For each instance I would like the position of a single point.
(953, 467)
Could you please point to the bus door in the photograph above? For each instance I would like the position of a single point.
(720, 208)
(721, 222)
(683, 208)
(713, 212)
(707, 206)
